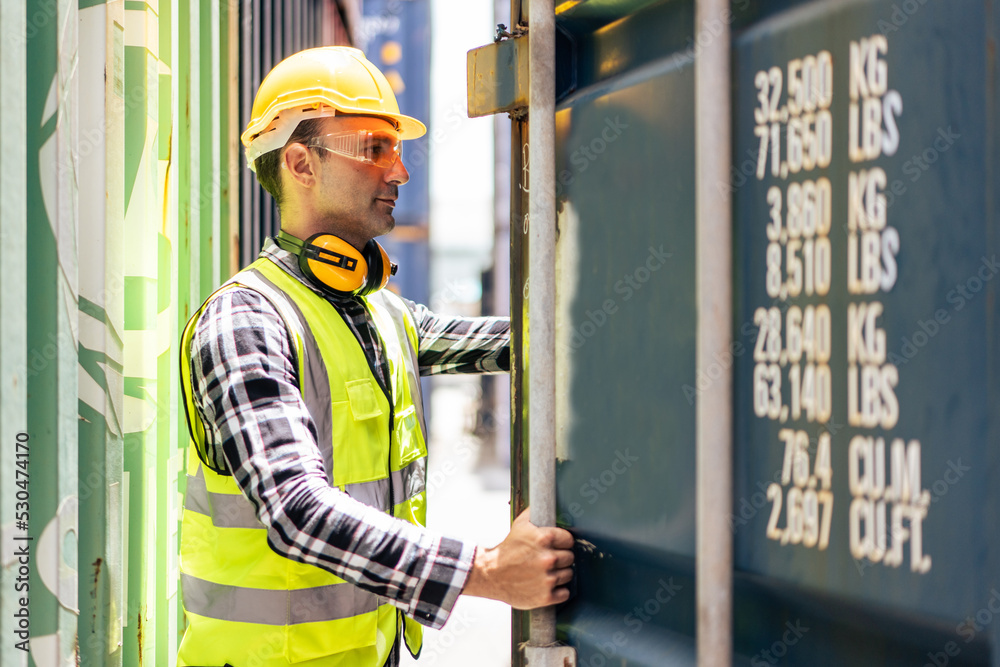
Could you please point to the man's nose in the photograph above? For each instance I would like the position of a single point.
(398, 173)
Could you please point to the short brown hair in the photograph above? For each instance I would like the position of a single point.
(268, 165)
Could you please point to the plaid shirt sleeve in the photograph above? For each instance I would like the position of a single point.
(461, 344)
(258, 427)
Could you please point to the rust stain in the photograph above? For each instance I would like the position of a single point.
(166, 179)
(139, 637)
(93, 591)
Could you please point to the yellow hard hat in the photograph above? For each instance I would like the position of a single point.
(320, 82)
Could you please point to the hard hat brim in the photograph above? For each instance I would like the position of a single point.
(408, 126)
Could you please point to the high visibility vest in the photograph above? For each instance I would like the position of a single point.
(245, 604)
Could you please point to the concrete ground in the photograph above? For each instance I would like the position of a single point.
(473, 505)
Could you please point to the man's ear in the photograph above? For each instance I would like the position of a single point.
(298, 161)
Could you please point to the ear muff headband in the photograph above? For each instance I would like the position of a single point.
(336, 267)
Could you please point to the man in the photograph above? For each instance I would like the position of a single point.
(302, 539)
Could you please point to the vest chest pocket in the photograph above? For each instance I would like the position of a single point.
(409, 437)
(360, 434)
(363, 399)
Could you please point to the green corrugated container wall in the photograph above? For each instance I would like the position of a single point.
(117, 141)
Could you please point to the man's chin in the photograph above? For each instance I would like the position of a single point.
(386, 225)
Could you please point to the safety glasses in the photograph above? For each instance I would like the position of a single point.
(381, 148)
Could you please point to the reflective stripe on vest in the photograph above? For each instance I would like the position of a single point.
(274, 607)
(243, 599)
(233, 511)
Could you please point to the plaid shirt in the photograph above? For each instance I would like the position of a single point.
(246, 388)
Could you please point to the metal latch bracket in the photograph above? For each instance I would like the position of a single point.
(498, 77)
(549, 656)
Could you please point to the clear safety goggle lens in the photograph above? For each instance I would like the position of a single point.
(381, 148)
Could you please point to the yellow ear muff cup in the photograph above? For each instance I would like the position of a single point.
(379, 268)
(333, 263)
(386, 267)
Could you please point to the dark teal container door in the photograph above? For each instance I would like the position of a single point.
(866, 404)
(864, 198)
(626, 326)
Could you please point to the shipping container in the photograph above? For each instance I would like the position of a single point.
(859, 456)
(119, 124)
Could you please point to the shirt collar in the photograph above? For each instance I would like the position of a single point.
(282, 258)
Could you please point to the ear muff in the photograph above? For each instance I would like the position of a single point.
(379, 268)
(335, 266)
